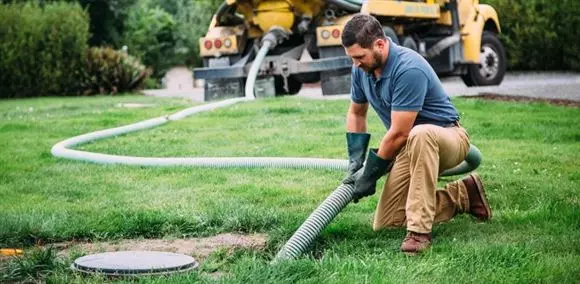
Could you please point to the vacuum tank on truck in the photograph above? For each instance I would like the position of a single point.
(457, 37)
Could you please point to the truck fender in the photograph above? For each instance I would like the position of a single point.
(473, 30)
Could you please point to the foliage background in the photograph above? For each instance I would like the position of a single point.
(42, 49)
(540, 34)
(166, 33)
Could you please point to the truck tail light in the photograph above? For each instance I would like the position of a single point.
(335, 33)
(207, 44)
(217, 43)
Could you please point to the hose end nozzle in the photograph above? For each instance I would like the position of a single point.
(275, 36)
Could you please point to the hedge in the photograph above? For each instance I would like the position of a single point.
(41, 49)
(540, 34)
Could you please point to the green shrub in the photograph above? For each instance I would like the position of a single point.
(192, 20)
(540, 34)
(164, 34)
(41, 49)
(107, 18)
(110, 71)
(149, 36)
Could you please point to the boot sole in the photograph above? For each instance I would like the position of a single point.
(482, 196)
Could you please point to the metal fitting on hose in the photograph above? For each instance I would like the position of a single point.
(275, 36)
(304, 25)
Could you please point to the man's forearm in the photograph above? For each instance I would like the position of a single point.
(396, 137)
(356, 123)
(391, 143)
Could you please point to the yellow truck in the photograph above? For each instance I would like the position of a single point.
(457, 37)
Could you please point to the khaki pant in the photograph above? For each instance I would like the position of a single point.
(410, 196)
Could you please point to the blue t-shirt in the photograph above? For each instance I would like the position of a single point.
(407, 83)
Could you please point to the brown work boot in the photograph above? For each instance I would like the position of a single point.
(478, 204)
(415, 243)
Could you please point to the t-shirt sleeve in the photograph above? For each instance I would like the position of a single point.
(410, 90)
(357, 94)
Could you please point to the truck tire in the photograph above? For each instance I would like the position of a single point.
(493, 65)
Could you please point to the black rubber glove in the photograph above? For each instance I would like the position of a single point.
(365, 179)
(357, 144)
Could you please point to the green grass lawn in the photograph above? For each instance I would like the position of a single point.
(531, 170)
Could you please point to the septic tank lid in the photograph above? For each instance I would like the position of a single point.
(135, 263)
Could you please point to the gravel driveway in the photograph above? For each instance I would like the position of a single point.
(538, 85)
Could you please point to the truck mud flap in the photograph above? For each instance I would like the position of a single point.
(335, 82)
(218, 89)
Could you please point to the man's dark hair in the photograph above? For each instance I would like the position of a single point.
(362, 29)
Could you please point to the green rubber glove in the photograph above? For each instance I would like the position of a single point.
(357, 144)
(365, 179)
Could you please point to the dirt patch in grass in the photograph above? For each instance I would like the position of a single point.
(514, 98)
(199, 248)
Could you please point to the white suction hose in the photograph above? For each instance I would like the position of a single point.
(253, 73)
(304, 236)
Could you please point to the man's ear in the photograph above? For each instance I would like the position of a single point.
(380, 44)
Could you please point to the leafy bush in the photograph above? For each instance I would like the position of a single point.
(540, 34)
(166, 33)
(193, 20)
(41, 48)
(149, 36)
(107, 18)
(110, 71)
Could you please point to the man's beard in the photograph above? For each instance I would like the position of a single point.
(374, 65)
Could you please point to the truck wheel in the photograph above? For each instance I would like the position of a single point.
(294, 86)
(493, 65)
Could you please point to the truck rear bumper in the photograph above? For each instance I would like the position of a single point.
(275, 65)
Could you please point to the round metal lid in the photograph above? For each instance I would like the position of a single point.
(135, 262)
